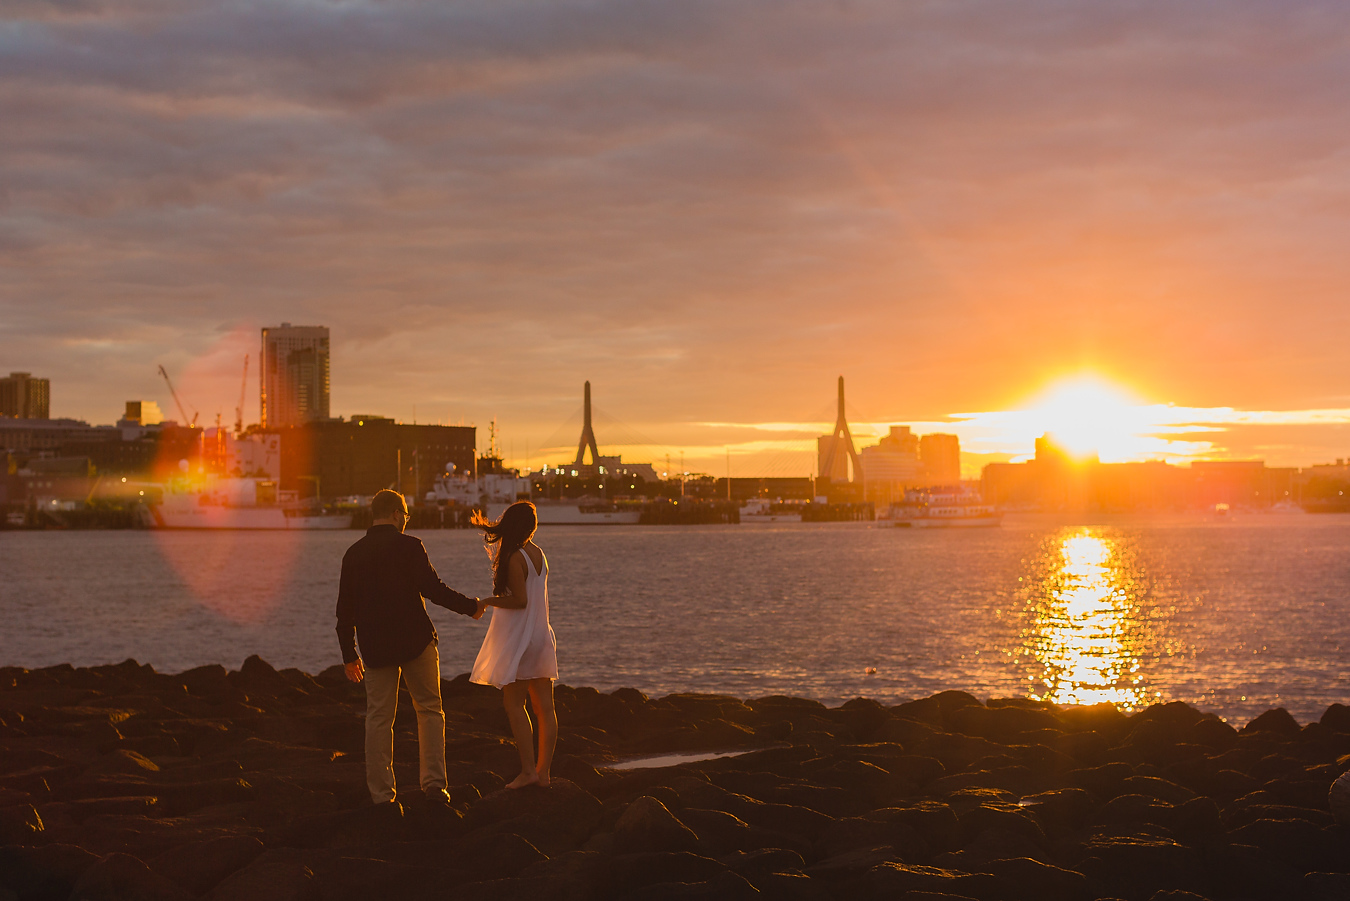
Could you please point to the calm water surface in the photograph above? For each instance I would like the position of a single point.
(1234, 616)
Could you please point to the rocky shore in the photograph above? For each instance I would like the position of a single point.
(118, 782)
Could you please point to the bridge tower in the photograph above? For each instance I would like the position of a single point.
(587, 435)
(836, 449)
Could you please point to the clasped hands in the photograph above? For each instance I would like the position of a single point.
(482, 605)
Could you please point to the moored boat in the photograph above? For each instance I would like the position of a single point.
(944, 509)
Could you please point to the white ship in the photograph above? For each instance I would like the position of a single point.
(941, 508)
(762, 510)
(497, 491)
(235, 503)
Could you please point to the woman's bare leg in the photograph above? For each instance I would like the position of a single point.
(541, 695)
(514, 697)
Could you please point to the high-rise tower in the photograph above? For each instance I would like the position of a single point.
(836, 449)
(294, 375)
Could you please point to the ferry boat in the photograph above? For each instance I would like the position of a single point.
(494, 492)
(941, 508)
(762, 510)
(239, 503)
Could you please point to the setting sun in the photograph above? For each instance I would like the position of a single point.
(1088, 416)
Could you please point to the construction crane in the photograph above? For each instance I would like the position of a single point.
(177, 402)
(239, 410)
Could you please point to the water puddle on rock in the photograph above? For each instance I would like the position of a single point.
(659, 760)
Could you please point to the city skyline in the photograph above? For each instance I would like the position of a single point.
(709, 212)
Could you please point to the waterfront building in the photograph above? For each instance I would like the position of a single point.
(891, 466)
(364, 453)
(24, 397)
(23, 436)
(295, 375)
(940, 454)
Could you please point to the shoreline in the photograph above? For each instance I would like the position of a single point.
(250, 783)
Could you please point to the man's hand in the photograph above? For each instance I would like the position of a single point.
(482, 607)
(356, 671)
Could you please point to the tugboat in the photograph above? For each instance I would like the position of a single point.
(941, 508)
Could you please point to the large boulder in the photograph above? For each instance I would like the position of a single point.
(121, 877)
(647, 825)
(199, 866)
(555, 819)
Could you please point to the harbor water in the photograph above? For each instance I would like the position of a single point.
(1232, 615)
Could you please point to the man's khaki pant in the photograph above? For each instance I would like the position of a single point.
(422, 675)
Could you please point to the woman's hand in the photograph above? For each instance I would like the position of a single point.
(356, 670)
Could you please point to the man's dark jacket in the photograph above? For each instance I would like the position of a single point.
(385, 576)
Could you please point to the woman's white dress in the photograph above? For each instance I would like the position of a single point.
(520, 643)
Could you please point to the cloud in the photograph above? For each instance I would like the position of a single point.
(709, 209)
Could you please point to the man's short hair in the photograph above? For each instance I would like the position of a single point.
(386, 503)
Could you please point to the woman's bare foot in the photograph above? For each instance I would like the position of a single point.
(523, 780)
(542, 780)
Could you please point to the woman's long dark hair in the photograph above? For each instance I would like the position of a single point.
(506, 536)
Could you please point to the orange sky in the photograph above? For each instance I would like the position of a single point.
(710, 210)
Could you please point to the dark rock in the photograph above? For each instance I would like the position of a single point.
(1298, 843)
(1031, 880)
(1327, 886)
(361, 826)
(726, 885)
(45, 872)
(121, 877)
(1336, 718)
(757, 866)
(125, 762)
(1240, 871)
(1002, 723)
(1197, 822)
(1176, 895)
(1060, 811)
(852, 863)
(555, 819)
(722, 833)
(133, 805)
(1239, 815)
(1135, 867)
(648, 826)
(198, 866)
(1105, 781)
(848, 833)
(797, 821)
(901, 880)
(1154, 787)
(1276, 722)
(1106, 719)
(863, 716)
(933, 821)
(626, 873)
(19, 823)
(275, 876)
(990, 845)
(1008, 818)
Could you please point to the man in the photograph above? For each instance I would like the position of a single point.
(385, 577)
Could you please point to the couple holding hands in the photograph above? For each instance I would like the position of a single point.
(385, 578)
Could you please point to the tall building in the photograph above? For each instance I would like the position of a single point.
(25, 397)
(294, 377)
(892, 465)
(941, 457)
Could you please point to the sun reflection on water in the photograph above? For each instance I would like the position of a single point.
(1082, 633)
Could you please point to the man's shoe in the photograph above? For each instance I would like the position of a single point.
(437, 796)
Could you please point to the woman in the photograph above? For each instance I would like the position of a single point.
(520, 653)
